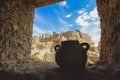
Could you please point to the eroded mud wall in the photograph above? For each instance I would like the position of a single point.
(109, 12)
(16, 21)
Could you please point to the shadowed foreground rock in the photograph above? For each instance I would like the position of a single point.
(34, 70)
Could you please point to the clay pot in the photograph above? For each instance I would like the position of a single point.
(71, 55)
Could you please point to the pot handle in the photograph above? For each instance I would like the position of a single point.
(85, 44)
(57, 47)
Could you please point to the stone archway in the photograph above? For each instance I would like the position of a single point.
(16, 21)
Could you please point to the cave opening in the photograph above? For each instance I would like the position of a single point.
(16, 22)
(52, 22)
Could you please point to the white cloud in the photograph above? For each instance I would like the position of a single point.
(96, 22)
(90, 23)
(68, 16)
(96, 39)
(63, 3)
(81, 21)
(94, 13)
(93, 31)
(70, 25)
(86, 19)
(81, 11)
(82, 18)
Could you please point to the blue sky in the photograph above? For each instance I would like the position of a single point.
(68, 15)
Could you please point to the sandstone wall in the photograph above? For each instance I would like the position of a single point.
(109, 11)
(16, 20)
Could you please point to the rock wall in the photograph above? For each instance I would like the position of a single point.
(39, 3)
(43, 46)
(109, 11)
(16, 21)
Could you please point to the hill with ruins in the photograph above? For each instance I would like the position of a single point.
(43, 46)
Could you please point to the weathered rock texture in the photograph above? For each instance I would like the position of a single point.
(43, 46)
(39, 3)
(109, 11)
(16, 21)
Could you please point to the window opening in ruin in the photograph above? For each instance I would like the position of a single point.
(65, 21)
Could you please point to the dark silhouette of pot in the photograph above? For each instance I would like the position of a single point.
(71, 55)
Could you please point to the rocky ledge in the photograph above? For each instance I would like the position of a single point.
(39, 70)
